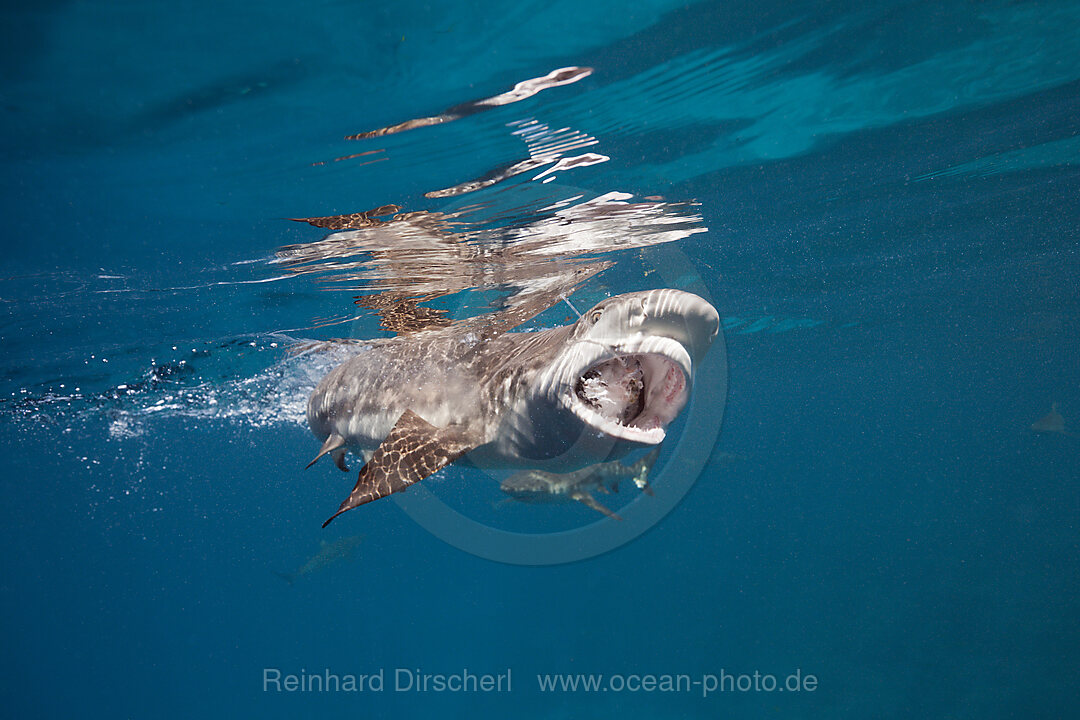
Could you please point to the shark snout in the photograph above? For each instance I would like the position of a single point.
(681, 316)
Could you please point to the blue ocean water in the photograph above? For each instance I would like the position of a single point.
(890, 193)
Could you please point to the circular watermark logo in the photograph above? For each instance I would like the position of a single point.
(670, 482)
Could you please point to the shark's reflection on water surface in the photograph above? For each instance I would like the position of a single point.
(452, 284)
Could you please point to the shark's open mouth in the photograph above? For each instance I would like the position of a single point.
(633, 396)
(614, 389)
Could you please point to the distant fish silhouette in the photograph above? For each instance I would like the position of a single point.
(329, 553)
(1052, 422)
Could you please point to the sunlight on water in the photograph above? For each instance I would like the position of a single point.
(782, 110)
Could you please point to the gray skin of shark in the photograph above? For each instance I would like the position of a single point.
(510, 400)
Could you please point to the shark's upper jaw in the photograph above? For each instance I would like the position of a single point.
(630, 368)
(632, 390)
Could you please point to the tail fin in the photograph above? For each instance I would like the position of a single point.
(644, 465)
(287, 577)
(641, 469)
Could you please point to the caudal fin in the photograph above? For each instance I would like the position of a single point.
(641, 470)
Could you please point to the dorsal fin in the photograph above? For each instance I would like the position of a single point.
(413, 450)
(402, 314)
(352, 221)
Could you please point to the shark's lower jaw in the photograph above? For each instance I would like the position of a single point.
(635, 394)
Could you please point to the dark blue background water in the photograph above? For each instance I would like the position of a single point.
(904, 174)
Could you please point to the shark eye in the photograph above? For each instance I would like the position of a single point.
(594, 316)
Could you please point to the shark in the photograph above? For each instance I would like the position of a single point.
(558, 399)
(329, 553)
(537, 486)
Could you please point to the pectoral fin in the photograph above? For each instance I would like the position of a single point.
(334, 442)
(589, 501)
(413, 450)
